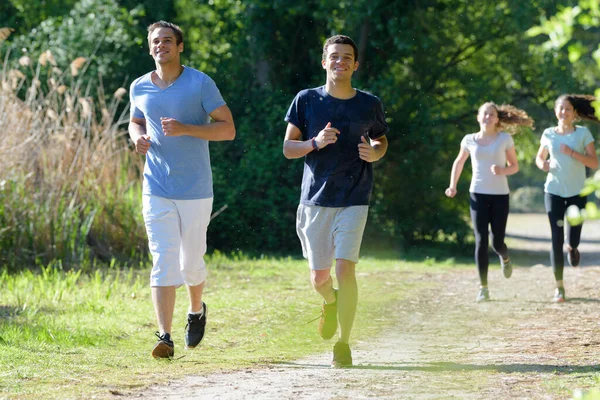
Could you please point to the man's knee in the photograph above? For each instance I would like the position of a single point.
(320, 279)
(194, 277)
(345, 270)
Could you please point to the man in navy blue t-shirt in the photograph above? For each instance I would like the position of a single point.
(340, 131)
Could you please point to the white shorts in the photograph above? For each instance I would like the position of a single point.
(177, 239)
(330, 232)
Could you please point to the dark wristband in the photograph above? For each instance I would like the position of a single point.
(314, 144)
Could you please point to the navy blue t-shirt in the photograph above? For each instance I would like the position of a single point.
(335, 176)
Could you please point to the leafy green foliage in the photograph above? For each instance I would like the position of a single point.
(25, 15)
(258, 79)
(426, 63)
(260, 186)
(430, 62)
(101, 31)
(527, 199)
(433, 67)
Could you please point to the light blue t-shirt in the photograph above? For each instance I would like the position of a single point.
(176, 167)
(482, 159)
(567, 175)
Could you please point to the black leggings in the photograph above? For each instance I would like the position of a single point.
(555, 208)
(486, 210)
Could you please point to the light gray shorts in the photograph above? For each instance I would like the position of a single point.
(330, 232)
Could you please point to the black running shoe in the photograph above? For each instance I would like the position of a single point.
(342, 356)
(573, 257)
(164, 348)
(506, 266)
(194, 330)
(328, 321)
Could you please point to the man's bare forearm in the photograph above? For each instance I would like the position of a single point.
(136, 130)
(214, 131)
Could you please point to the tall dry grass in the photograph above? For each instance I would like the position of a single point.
(69, 186)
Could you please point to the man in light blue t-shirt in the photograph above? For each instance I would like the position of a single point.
(171, 109)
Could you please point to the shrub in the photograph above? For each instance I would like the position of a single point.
(528, 199)
(69, 189)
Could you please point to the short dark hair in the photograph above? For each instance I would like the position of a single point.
(340, 39)
(164, 24)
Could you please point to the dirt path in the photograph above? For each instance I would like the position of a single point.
(446, 346)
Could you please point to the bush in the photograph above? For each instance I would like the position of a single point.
(260, 186)
(70, 189)
(528, 199)
(99, 30)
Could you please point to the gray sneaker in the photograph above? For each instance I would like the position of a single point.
(483, 295)
(506, 266)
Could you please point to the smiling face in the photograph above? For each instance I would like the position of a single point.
(564, 111)
(163, 46)
(487, 116)
(339, 62)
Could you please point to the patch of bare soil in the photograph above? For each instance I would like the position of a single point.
(444, 345)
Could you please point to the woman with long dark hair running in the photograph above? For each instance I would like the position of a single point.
(493, 158)
(565, 150)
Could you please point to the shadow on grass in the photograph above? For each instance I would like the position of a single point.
(543, 239)
(530, 258)
(570, 300)
(8, 311)
(581, 300)
(423, 252)
(451, 367)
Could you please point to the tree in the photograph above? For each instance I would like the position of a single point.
(25, 15)
(100, 31)
(429, 61)
(432, 62)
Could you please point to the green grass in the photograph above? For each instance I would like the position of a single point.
(64, 334)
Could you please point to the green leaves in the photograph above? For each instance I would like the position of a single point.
(99, 30)
(432, 62)
(575, 216)
(576, 50)
(559, 28)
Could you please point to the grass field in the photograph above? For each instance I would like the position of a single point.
(64, 334)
